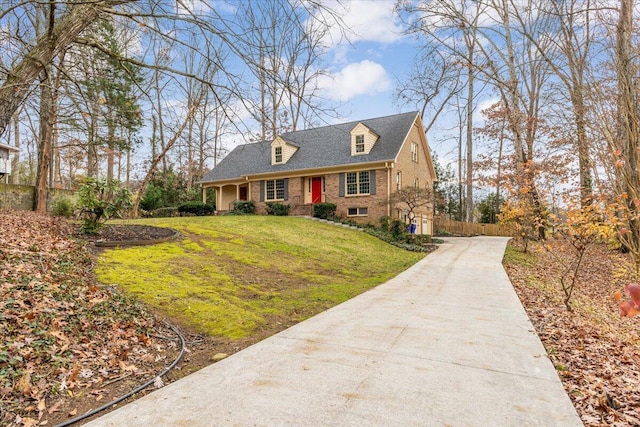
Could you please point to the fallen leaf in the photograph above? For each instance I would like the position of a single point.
(24, 384)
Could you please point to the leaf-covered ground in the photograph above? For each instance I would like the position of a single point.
(595, 351)
(66, 340)
(71, 344)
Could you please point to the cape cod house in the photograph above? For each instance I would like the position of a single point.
(357, 166)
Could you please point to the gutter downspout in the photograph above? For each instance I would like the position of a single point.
(389, 168)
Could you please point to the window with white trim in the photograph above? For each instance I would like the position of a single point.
(416, 183)
(398, 180)
(358, 183)
(414, 152)
(278, 154)
(357, 211)
(359, 143)
(274, 189)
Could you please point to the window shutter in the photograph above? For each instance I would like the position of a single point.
(262, 191)
(341, 185)
(286, 188)
(372, 182)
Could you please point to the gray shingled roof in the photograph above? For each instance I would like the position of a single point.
(319, 147)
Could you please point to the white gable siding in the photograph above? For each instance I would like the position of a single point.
(370, 139)
(288, 150)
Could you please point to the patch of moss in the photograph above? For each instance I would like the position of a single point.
(229, 275)
(517, 256)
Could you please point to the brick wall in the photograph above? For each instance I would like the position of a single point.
(376, 204)
(294, 190)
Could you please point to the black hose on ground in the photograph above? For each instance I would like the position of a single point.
(132, 392)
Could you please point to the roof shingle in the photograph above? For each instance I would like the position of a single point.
(318, 147)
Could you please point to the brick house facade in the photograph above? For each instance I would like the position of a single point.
(357, 166)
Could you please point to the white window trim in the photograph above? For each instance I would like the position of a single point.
(414, 152)
(276, 155)
(346, 184)
(359, 145)
(275, 190)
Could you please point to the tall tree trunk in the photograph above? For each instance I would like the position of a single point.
(499, 170)
(128, 173)
(263, 102)
(628, 126)
(92, 144)
(160, 121)
(15, 161)
(461, 201)
(110, 148)
(584, 160)
(45, 138)
(469, 136)
(157, 160)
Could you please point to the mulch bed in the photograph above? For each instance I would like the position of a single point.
(132, 235)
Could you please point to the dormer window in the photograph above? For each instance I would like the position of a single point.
(281, 151)
(362, 140)
(359, 143)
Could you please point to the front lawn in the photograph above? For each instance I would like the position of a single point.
(230, 276)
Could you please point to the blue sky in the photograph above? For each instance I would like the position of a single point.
(364, 72)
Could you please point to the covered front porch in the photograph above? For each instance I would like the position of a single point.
(226, 194)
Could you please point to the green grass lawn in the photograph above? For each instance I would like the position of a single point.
(231, 275)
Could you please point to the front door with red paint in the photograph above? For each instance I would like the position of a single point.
(316, 189)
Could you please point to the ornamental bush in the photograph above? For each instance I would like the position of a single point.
(196, 208)
(278, 209)
(324, 210)
(242, 207)
(101, 199)
(62, 206)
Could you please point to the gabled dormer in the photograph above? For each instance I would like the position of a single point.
(281, 151)
(362, 139)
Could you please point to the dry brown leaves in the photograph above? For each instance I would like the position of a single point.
(595, 351)
(63, 335)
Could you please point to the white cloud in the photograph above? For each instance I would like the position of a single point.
(360, 78)
(365, 20)
(478, 116)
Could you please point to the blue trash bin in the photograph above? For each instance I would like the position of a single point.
(413, 228)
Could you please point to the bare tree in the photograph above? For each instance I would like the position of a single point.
(413, 198)
(61, 32)
(283, 56)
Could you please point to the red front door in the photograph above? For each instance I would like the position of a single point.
(316, 190)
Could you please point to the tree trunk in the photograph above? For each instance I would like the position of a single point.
(15, 162)
(470, 97)
(628, 126)
(92, 145)
(161, 157)
(45, 143)
(584, 161)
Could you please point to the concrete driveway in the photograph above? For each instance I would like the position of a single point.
(445, 343)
